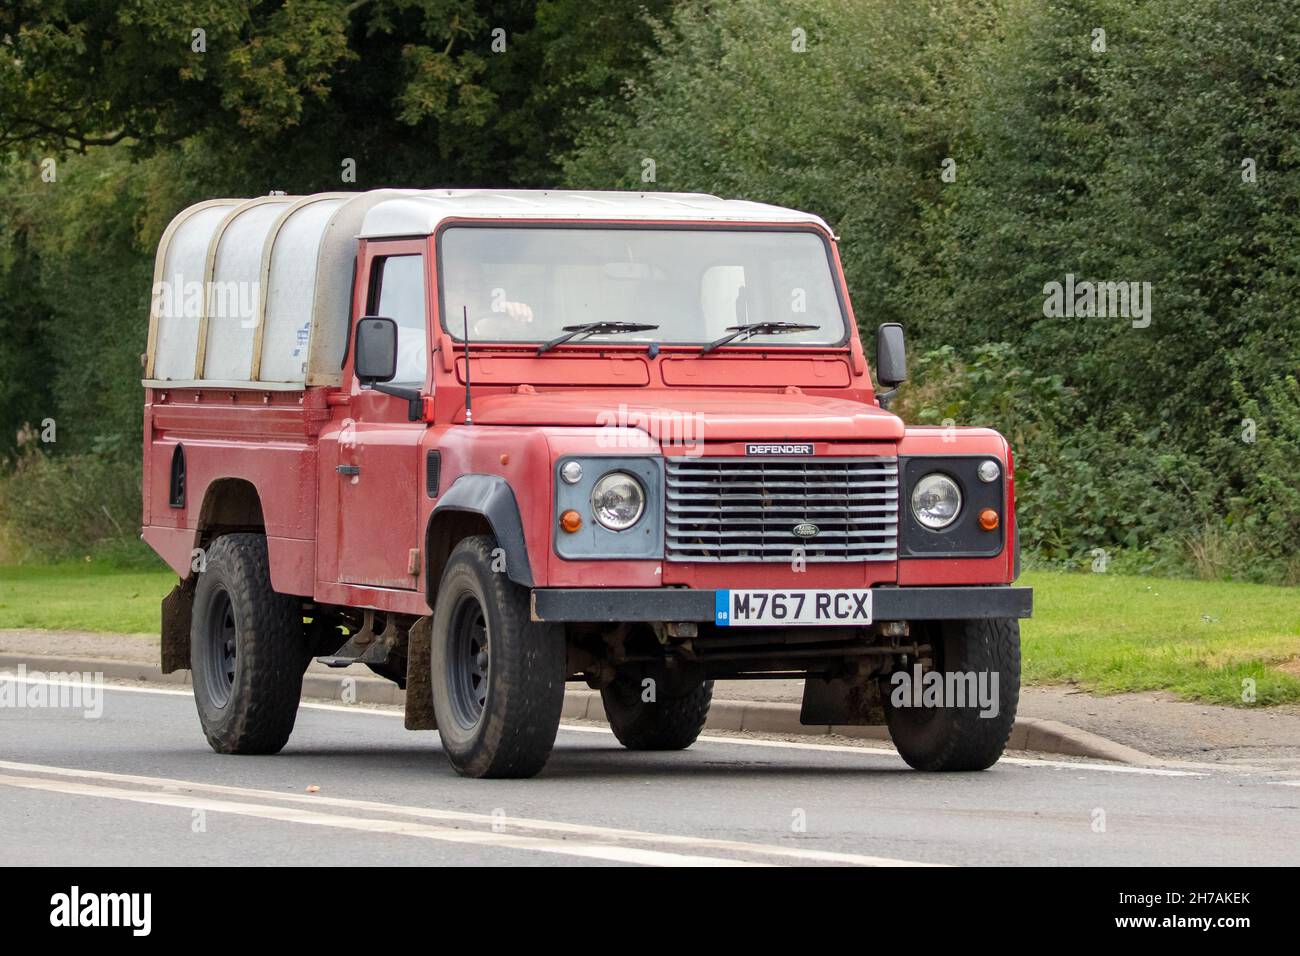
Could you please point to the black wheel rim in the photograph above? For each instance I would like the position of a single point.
(222, 649)
(468, 661)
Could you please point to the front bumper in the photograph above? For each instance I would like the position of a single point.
(682, 604)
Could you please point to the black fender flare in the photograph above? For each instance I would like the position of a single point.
(492, 497)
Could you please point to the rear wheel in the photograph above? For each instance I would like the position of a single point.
(247, 652)
(498, 677)
(982, 659)
(671, 720)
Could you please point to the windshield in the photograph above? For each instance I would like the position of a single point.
(525, 284)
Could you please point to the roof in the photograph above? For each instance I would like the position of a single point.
(420, 212)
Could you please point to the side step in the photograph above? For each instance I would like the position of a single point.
(367, 647)
(338, 661)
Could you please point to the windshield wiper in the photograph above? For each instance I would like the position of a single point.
(593, 328)
(757, 328)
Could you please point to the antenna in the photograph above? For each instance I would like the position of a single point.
(469, 415)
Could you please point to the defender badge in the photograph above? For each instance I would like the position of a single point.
(779, 448)
(806, 530)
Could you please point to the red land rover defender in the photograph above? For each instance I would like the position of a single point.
(491, 442)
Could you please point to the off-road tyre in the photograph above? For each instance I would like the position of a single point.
(497, 676)
(667, 723)
(959, 738)
(247, 650)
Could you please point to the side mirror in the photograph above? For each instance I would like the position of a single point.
(376, 350)
(891, 355)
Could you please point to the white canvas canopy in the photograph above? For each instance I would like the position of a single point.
(255, 292)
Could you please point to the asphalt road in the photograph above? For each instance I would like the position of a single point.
(139, 785)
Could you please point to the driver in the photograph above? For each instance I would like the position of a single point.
(490, 316)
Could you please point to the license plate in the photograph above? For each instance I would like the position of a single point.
(764, 608)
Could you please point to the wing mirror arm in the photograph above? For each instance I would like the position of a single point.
(414, 399)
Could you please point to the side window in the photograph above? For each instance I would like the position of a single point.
(397, 293)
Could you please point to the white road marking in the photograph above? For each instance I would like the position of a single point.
(610, 837)
(372, 825)
(1285, 783)
(882, 752)
(705, 738)
(126, 688)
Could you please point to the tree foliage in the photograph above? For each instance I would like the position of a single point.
(969, 152)
(464, 91)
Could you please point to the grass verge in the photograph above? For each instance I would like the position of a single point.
(84, 596)
(1201, 640)
(1108, 633)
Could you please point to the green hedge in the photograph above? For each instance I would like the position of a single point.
(71, 506)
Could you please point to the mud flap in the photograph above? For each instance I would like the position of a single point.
(419, 678)
(838, 701)
(177, 609)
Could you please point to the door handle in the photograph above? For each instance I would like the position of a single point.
(350, 470)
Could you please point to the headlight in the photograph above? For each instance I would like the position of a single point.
(936, 500)
(617, 501)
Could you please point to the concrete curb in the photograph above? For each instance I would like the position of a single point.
(1030, 734)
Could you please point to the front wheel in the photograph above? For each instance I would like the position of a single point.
(958, 713)
(247, 651)
(498, 677)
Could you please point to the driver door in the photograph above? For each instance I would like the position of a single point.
(378, 452)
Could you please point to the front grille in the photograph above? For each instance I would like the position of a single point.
(743, 509)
